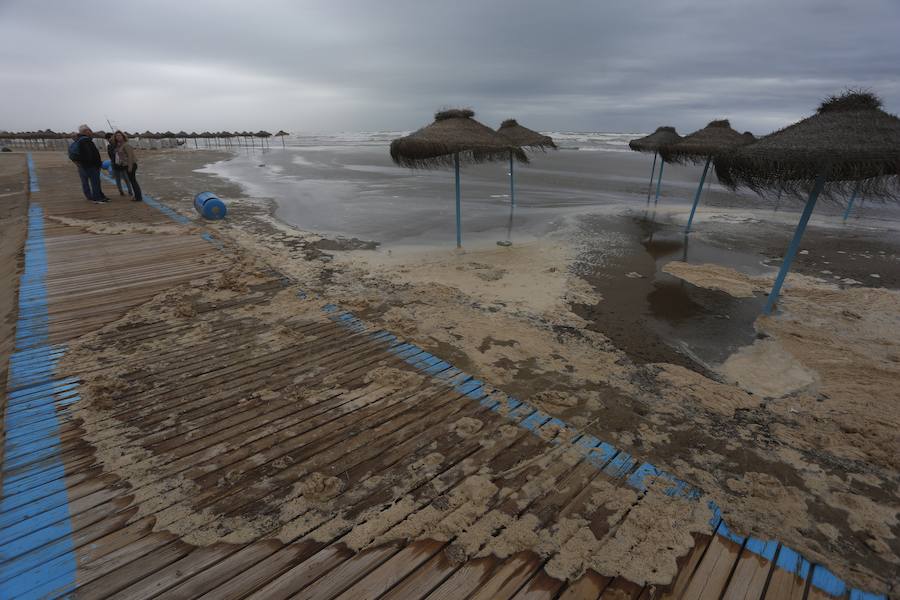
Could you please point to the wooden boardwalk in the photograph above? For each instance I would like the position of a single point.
(218, 407)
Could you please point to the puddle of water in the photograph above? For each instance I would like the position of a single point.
(655, 317)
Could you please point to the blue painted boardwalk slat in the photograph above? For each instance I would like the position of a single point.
(35, 449)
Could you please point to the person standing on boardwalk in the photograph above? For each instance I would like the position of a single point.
(84, 153)
(126, 158)
(117, 171)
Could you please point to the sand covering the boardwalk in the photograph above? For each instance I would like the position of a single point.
(804, 451)
(119, 227)
(478, 511)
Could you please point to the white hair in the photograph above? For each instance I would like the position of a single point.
(83, 128)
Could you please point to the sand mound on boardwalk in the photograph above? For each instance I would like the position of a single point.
(500, 500)
(119, 227)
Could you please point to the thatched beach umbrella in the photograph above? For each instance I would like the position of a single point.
(263, 136)
(523, 138)
(454, 137)
(702, 146)
(281, 133)
(663, 136)
(850, 143)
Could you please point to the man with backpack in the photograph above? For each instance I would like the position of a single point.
(84, 153)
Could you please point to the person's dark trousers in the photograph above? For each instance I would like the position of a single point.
(93, 175)
(85, 182)
(135, 187)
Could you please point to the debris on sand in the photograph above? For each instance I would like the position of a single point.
(768, 370)
(714, 277)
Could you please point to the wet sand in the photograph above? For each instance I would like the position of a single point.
(640, 362)
(13, 228)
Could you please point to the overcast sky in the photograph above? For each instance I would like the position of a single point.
(572, 65)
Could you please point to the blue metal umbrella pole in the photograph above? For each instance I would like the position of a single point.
(850, 203)
(652, 173)
(795, 244)
(687, 228)
(512, 181)
(458, 208)
(662, 164)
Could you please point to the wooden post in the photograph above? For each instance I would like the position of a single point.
(795, 244)
(852, 198)
(687, 228)
(662, 164)
(652, 173)
(458, 207)
(512, 180)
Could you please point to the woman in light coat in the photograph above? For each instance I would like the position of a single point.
(126, 158)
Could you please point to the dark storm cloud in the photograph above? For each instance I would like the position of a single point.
(329, 66)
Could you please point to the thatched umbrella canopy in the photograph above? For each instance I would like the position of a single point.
(663, 136)
(700, 147)
(454, 137)
(264, 136)
(714, 139)
(850, 143)
(523, 137)
(281, 133)
(850, 139)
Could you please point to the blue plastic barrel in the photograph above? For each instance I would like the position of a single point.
(209, 206)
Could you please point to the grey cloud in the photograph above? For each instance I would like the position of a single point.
(355, 65)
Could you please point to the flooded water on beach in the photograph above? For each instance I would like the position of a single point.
(655, 317)
(594, 190)
(340, 185)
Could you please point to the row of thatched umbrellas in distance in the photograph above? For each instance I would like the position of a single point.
(40, 139)
(849, 146)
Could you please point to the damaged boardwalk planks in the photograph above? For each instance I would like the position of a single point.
(225, 404)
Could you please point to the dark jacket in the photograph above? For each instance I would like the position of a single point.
(111, 150)
(89, 156)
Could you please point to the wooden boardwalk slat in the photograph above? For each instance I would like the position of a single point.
(687, 565)
(752, 571)
(392, 571)
(588, 587)
(711, 576)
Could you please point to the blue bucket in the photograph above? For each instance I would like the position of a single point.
(209, 206)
